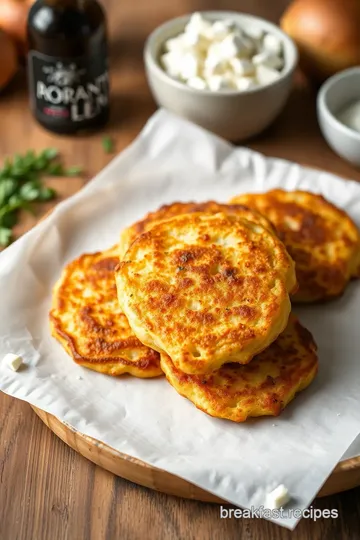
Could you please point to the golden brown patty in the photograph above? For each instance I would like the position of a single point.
(322, 239)
(171, 210)
(263, 387)
(87, 320)
(206, 289)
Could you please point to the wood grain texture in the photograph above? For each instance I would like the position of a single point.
(47, 490)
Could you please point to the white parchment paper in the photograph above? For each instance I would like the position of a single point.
(174, 160)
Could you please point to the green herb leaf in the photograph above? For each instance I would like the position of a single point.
(29, 191)
(5, 236)
(21, 185)
(18, 161)
(6, 168)
(15, 200)
(29, 157)
(18, 173)
(55, 169)
(40, 163)
(34, 179)
(7, 188)
(49, 153)
(47, 194)
(73, 171)
(9, 220)
(108, 144)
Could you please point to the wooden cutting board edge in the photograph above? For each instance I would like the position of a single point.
(346, 474)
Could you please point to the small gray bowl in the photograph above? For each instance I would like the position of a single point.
(232, 114)
(337, 92)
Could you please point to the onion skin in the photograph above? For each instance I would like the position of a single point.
(13, 19)
(9, 60)
(327, 34)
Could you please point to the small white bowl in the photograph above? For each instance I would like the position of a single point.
(337, 92)
(232, 114)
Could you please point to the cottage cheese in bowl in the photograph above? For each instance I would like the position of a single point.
(222, 55)
(229, 72)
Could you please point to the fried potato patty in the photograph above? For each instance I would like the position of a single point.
(87, 320)
(169, 211)
(206, 289)
(322, 239)
(262, 388)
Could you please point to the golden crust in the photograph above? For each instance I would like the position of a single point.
(206, 289)
(169, 211)
(87, 320)
(262, 388)
(322, 239)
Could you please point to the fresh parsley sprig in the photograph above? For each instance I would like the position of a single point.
(21, 183)
(107, 144)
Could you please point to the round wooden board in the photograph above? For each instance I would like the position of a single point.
(346, 474)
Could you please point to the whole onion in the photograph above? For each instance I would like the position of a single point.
(9, 61)
(327, 33)
(13, 18)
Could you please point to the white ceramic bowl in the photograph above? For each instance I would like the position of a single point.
(335, 93)
(231, 114)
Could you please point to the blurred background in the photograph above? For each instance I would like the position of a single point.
(295, 135)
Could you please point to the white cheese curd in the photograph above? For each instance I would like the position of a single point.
(221, 55)
(171, 62)
(197, 82)
(272, 44)
(13, 361)
(215, 63)
(236, 46)
(255, 33)
(242, 66)
(176, 44)
(190, 65)
(220, 82)
(277, 498)
(197, 25)
(269, 60)
(266, 75)
(215, 68)
(220, 29)
(194, 40)
(245, 83)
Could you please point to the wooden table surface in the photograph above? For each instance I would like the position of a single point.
(47, 491)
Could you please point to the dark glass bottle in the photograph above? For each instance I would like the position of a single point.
(68, 65)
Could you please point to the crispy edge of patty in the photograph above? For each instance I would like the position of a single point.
(168, 211)
(147, 367)
(219, 401)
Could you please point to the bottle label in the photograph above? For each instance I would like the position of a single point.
(72, 90)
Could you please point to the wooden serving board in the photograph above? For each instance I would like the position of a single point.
(346, 474)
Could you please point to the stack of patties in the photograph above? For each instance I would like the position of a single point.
(203, 296)
(207, 286)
